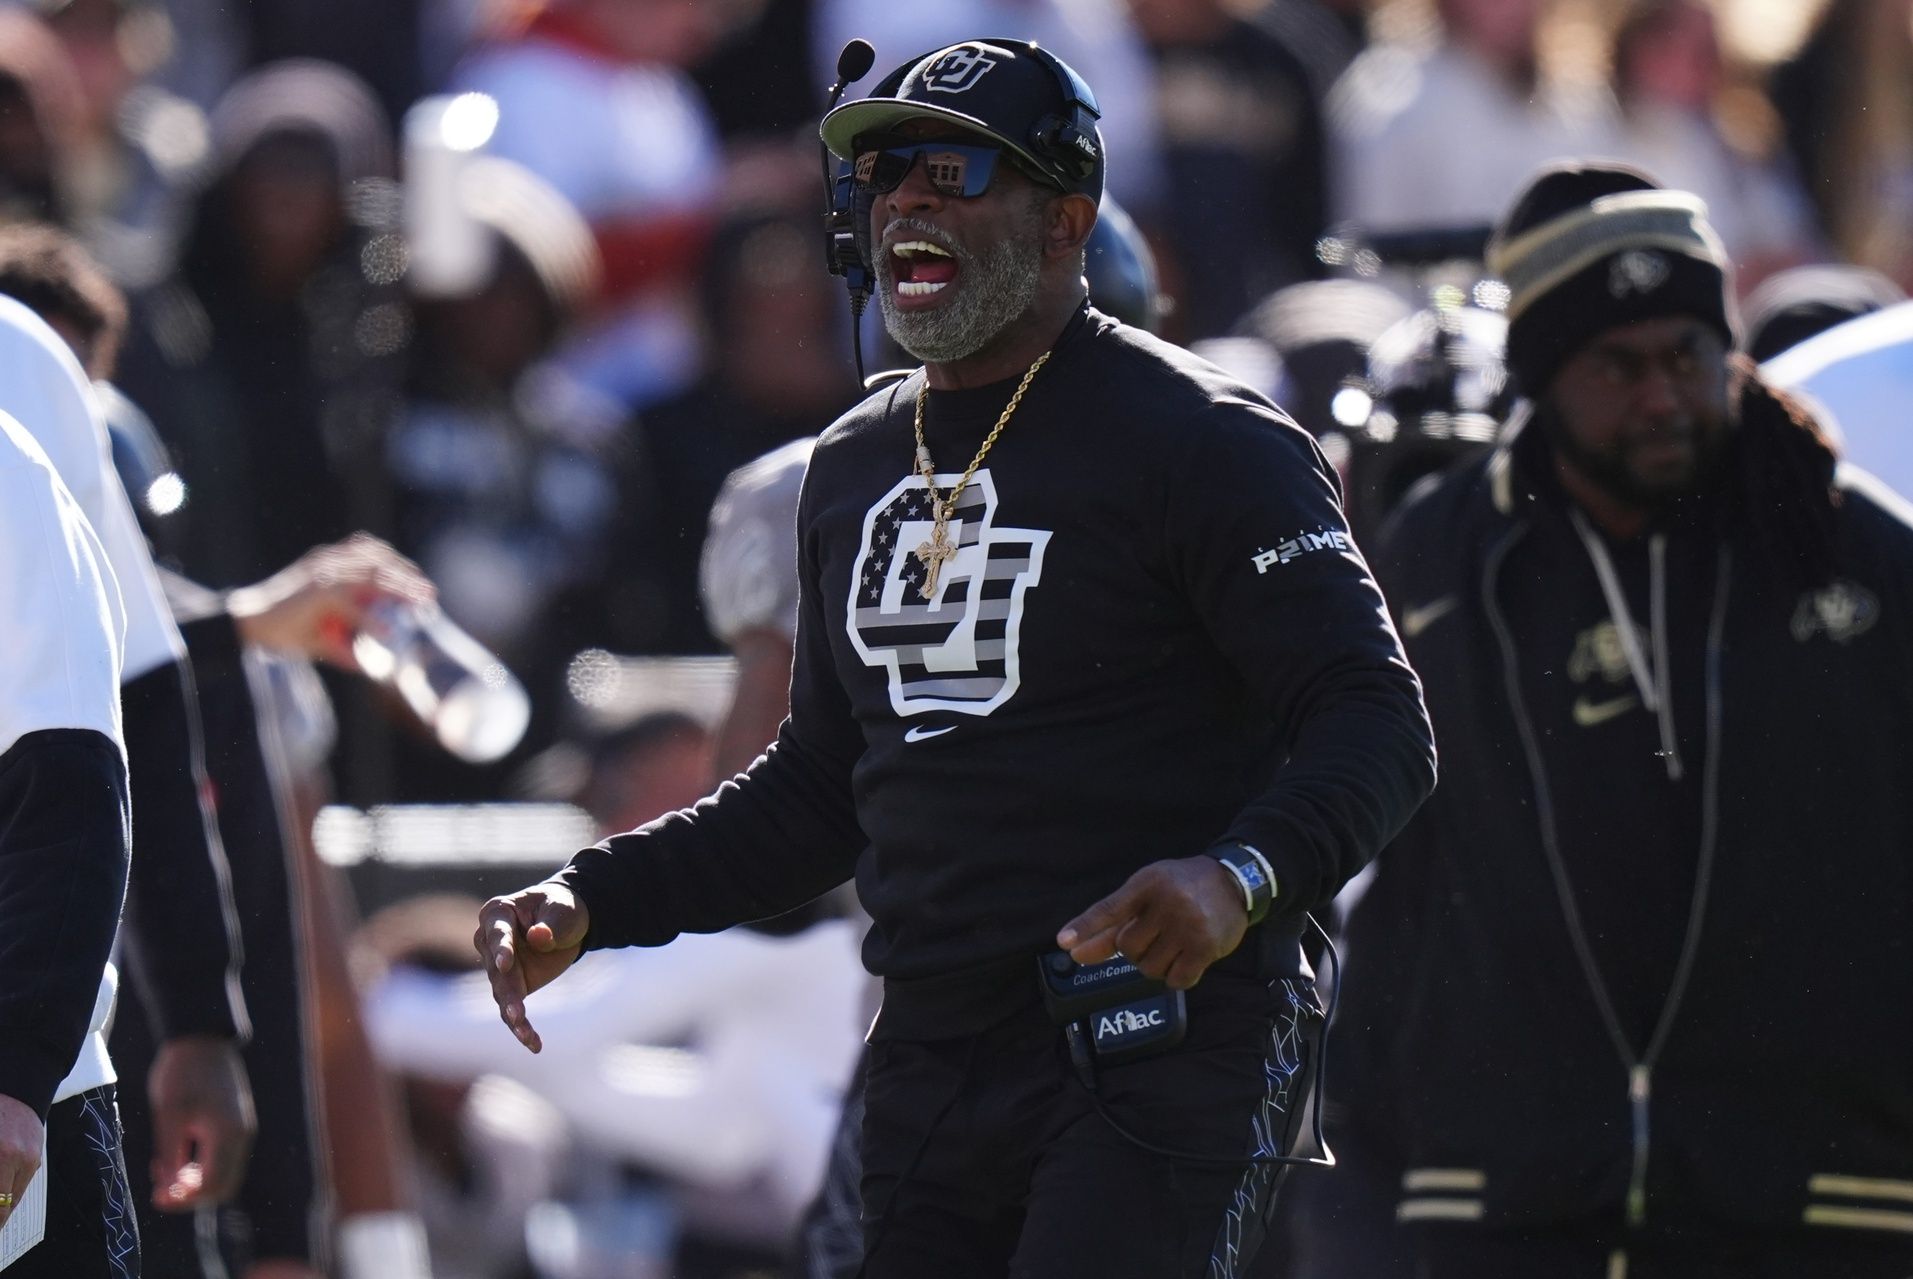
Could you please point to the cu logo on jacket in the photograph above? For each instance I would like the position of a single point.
(1842, 611)
(956, 651)
(957, 70)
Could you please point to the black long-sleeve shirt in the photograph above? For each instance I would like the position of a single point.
(181, 936)
(1155, 637)
(63, 856)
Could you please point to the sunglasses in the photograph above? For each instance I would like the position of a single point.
(954, 168)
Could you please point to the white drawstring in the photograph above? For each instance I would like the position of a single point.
(1656, 693)
(1657, 619)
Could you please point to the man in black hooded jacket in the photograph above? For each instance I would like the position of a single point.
(1629, 995)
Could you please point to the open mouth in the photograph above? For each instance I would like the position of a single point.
(921, 268)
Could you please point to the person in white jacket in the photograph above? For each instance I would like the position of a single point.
(64, 849)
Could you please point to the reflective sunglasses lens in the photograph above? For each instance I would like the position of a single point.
(883, 170)
(952, 169)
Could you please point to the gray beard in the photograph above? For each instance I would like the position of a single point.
(994, 287)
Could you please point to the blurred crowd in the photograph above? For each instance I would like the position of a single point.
(526, 340)
(516, 285)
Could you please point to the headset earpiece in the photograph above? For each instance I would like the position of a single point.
(1065, 144)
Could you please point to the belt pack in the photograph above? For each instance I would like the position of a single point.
(1110, 1012)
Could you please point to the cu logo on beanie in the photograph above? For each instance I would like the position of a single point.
(1637, 271)
(958, 69)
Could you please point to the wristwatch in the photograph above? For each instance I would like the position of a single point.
(1253, 872)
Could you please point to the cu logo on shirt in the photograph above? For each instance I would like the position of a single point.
(956, 651)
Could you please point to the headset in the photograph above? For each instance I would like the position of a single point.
(1064, 143)
(842, 255)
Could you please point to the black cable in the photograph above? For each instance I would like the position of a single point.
(858, 299)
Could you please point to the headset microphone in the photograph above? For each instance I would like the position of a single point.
(840, 240)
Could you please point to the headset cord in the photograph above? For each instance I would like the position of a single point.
(859, 298)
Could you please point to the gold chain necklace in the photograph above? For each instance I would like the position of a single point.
(933, 553)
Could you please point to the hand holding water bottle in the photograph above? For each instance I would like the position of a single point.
(315, 606)
(360, 605)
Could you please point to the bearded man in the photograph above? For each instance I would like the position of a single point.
(1085, 660)
(1629, 993)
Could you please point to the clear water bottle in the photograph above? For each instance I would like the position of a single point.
(476, 707)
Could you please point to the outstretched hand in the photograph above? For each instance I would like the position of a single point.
(526, 940)
(1172, 919)
(315, 604)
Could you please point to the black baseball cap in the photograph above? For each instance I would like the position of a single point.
(1010, 91)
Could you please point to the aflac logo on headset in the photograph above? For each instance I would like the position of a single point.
(957, 70)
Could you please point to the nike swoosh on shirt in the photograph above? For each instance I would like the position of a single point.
(918, 733)
(1422, 616)
(1587, 713)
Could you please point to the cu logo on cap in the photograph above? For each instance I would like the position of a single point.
(957, 70)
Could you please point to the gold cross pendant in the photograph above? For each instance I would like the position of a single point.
(933, 554)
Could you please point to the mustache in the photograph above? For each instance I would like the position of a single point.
(916, 229)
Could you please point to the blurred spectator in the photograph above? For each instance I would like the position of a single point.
(1669, 78)
(1847, 99)
(205, 53)
(715, 1063)
(41, 121)
(488, 1149)
(642, 166)
(1242, 136)
(268, 360)
(659, 764)
(1348, 18)
(1442, 136)
(135, 141)
(381, 42)
(778, 373)
(504, 491)
(752, 83)
(1794, 305)
(1325, 34)
(1096, 37)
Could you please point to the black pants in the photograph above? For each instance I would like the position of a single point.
(984, 1157)
(1462, 1252)
(830, 1237)
(90, 1228)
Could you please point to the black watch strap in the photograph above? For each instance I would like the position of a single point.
(1253, 872)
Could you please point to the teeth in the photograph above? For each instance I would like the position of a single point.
(910, 248)
(920, 288)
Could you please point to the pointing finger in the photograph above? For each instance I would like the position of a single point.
(1090, 938)
(508, 983)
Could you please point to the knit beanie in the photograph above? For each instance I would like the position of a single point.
(1589, 246)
